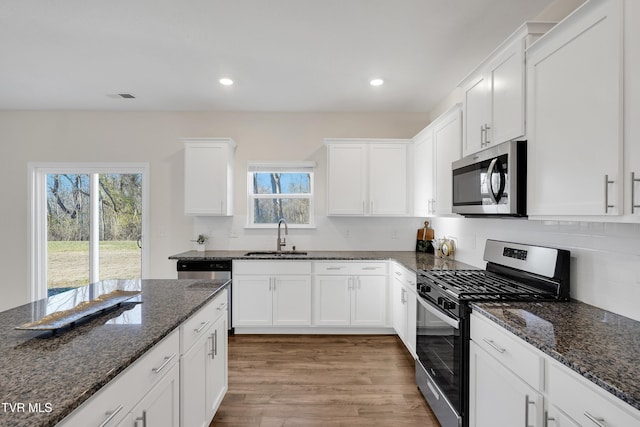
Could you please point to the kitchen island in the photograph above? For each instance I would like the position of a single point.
(44, 376)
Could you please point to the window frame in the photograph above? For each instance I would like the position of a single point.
(282, 167)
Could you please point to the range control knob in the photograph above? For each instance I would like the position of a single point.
(448, 305)
(425, 289)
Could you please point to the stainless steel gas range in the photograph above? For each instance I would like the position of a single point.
(514, 272)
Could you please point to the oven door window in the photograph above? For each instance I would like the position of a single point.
(439, 350)
(482, 183)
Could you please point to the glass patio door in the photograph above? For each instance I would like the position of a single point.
(92, 225)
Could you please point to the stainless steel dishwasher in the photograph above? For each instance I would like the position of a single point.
(209, 270)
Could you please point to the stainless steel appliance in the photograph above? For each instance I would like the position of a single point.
(514, 272)
(492, 182)
(209, 270)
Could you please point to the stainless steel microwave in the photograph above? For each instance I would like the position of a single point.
(492, 181)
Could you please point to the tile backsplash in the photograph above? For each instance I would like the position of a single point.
(605, 257)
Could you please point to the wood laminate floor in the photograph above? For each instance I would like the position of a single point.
(321, 380)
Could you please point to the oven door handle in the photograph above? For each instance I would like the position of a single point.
(440, 315)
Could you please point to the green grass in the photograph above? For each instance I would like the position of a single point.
(68, 262)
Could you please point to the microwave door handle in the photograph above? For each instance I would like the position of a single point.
(492, 166)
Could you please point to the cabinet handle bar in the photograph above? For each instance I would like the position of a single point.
(494, 345)
(202, 326)
(167, 359)
(111, 415)
(597, 421)
(634, 180)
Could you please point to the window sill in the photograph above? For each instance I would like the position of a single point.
(275, 226)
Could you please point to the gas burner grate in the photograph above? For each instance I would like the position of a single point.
(482, 285)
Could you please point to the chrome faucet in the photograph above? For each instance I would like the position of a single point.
(282, 241)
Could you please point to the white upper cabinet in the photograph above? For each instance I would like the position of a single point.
(574, 112)
(436, 147)
(631, 179)
(367, 177)
(494, 94)
(208, 176)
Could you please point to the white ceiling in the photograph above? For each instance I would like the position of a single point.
(284, 55)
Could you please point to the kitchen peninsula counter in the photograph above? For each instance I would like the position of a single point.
(601, 346)
(44, 376)
(412, 260)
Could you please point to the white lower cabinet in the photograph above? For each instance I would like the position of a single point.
(350, 294)
(498, 397)
(511, 383)
(203, 363)
(403, 306)
(271, 293)
(161, 406)
(578, 401)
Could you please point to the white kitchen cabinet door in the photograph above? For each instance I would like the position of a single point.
(208, 176)
(477, 113)
(369, 301)
(194, 382)
(557, 418)
(388, 179)
(252, 298)
(423, 188)
(292, 300)
(631, 180)
(346, 179)
(399, 308)
(497, 397)
(216, 375)
(506, 78)
(161, 406)
(332, 300)
(586, 403)
(447, 141)
(574, 116)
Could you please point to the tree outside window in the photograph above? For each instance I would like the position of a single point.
(281, 192)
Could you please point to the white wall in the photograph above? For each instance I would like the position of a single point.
(154, 137)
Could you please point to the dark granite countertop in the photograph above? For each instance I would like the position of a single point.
(60, 371)
(412, 260)
(601, 346)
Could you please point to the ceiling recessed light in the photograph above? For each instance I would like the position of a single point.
(376, 82)
(225, 81)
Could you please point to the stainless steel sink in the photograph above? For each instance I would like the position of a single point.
(274, 253)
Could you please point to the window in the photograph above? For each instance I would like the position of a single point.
(87, 223)
(280, 190)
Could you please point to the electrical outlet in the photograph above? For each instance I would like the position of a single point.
(233, 233)
(394, 234)
(347, 233)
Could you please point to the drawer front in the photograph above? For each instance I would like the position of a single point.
(351, 268)
(511, 351)
(198, 324)
(269, 267)
(407, 277)
(587, 403)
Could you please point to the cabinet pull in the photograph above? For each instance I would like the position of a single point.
(607, 181)
(202, 326)
(403, 300)
(482, 136)
(167, 359)
(547, 418)
(111, 415)
(397, 273)
(215, 343)
(597, 421)
(486, 135)
(370, 268)
(222, 306)
(211, 337)
(633, 192)
(334, 268)
(143, 418)
(527, 402)
(349, 283)
(494, 345)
